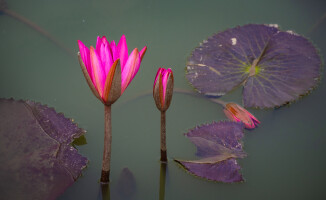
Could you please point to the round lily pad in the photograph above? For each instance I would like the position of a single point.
(273, 66)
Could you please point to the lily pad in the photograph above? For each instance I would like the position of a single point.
(218, 144)
(36, 158)
(273, 66)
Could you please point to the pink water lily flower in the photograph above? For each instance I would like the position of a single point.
(238, 114)
(163, 88)
(108, 68)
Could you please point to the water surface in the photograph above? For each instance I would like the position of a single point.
(285, 154)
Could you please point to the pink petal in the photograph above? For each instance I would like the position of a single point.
(84, 54)
(129, 70)
(230, 116)
(255, 121)
(104, 39)
(98, 48)
(249, 120)
(165, 76)
(142, 52)
(106, 56)
(123, 51)
(114, 51)
(136, 69)
(98, 43)
(98, 72)
(253, 118)
(158, 73)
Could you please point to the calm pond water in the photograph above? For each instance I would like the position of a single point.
(286, 154)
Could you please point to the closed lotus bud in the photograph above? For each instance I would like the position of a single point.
(238, 114)
(163, 88)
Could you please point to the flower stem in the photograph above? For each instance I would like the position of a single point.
(219, 101)
(163, 137)
(105, 176)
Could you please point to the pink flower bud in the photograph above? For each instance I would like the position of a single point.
(238, 114)
(163, 88)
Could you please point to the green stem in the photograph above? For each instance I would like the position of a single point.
(105, 176)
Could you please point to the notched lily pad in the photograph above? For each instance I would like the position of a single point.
(218, 144)
(36, 158)
(273, 66)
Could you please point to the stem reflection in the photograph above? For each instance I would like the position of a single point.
(162, 180)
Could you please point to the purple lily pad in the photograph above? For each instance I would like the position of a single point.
(218, 144)
(275, 67)
(36, 158)
(227, 171)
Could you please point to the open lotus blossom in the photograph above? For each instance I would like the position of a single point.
(163, 88)
(238, 114)
(108, 68)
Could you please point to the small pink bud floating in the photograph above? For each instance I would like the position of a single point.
(162, 93)
(109, 69)
(237, 113)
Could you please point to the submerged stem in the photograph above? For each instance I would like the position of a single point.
(317, 24)
(163, 137)
(162, 181)
(105, 191)
(105, 176)
(6, 11)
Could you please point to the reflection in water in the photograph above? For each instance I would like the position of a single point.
(162, 180)
(5, 10)
(79, 141)
(105, 192)
(317, 24)
(123, 189)
(3, 5)
(126, 186)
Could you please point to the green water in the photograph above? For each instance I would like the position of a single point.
(286, 157)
